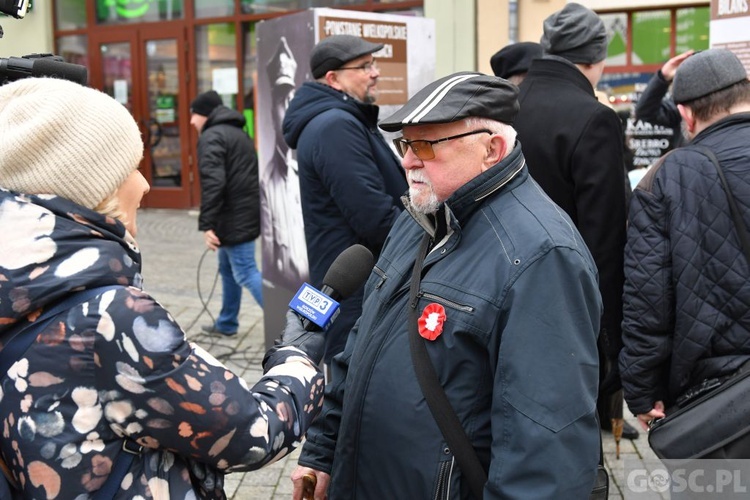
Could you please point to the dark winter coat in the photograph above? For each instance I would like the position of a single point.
(518, 364)
(574, 148)
(656, 107)
(351, 184)
(686, 293)
(119, 365)
(228, 166)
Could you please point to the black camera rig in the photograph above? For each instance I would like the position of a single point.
(38, 65)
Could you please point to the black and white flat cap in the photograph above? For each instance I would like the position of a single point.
(456, 97)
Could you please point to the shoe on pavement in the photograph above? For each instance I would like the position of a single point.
(629, 432)
(212, 329)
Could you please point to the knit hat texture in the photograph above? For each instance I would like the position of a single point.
(515, 58)
(706, 72)
(62, 138)
(575, 33)
(455, 97)
(333, 52)
(205, 103)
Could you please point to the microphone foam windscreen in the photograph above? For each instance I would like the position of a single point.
(50, 68)
(350, 270)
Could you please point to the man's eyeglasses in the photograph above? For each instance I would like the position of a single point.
(366, 67)
(423, 148)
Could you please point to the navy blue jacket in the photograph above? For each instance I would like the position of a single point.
(517, 355)
(686, 288)
(351, 184)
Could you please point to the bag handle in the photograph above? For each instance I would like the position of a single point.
(437, 401)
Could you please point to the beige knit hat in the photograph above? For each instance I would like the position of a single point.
(58, 137)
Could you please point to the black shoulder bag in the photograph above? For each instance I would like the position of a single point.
(440, 407)
(711, 420)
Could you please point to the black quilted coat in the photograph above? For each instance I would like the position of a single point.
(687, 296)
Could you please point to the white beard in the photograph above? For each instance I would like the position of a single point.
(417, 196)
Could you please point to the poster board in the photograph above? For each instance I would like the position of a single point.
(406, 64)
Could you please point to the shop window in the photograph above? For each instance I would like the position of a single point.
(249, 74)
(70, 14)
(216, 61)
(213, 8)
(276, 6)
(692, 29)
(617, 33)
(74, 49)
(651, 36)
(137, 11)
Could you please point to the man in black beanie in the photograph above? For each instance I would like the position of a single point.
(685, 320)
(512, 62)
(574, 146)
(230, 203)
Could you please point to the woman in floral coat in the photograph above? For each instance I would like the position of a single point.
(116, 366)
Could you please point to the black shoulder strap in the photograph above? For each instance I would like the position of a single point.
(739, 222)
(437, 401)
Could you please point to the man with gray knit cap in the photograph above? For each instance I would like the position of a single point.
(574, 146)
(351, 182)
(686, 295)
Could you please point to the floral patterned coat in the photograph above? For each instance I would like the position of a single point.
(119, 365)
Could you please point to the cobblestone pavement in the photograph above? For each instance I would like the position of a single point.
(182, 277)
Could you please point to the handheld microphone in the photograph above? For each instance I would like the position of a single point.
(346, 275)
(15, 68)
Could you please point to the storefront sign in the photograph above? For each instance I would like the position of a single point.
(729, 22)
(391, 59)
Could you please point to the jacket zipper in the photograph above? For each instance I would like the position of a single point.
(446, 302)
(443, 490)
(382, 275)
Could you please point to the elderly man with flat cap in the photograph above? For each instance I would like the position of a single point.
(574, 146)
(686, 294)
(350, 180)
(487, 283)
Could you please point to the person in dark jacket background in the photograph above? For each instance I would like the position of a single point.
(574, 147)
(686, 293)
(351, 182)
(230, 203)
(655, 106)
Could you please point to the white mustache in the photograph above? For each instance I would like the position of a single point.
(417, 176)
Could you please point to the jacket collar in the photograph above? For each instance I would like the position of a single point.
(557, 68)
(727, 121)
(368, 112)
(468, 198)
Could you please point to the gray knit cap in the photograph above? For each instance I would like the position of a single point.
(575, 33)
(59, 137)
(706, 72)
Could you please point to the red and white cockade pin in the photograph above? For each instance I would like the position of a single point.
(431, 321)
